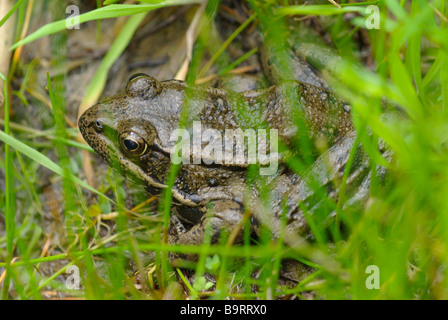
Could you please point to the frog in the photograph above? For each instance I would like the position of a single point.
(132, 132)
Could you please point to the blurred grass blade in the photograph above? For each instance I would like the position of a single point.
(10, 13)
(111, 11)
(226, 44)
(320, 10)
(98, 82)
(9, 188)
(43, 160)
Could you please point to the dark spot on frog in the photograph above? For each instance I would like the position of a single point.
(212, 182)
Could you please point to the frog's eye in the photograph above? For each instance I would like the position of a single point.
(137, 75)
(133, 144)
(143, 86)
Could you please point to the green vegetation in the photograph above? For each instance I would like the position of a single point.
(402, 229)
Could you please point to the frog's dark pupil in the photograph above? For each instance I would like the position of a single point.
(130, 144)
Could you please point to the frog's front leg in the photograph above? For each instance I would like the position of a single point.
(222, 215)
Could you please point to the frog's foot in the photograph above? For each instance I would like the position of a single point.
(293, 271)
(224, 215)
(177, 225)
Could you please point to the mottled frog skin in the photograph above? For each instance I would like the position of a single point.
(131, 131)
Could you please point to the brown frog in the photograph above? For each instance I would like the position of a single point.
(132, 131)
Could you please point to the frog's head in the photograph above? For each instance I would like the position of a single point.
(131, 130)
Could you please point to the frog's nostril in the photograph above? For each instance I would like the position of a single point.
(98, 126)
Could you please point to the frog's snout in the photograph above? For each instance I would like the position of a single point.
(89, 124)
(84, 119)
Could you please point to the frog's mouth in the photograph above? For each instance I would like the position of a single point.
(138, 175)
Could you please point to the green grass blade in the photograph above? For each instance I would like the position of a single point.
(44, 161)
(10, 13)
(98, 82)
(111, 11)
(9, 190)
(320, 10)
